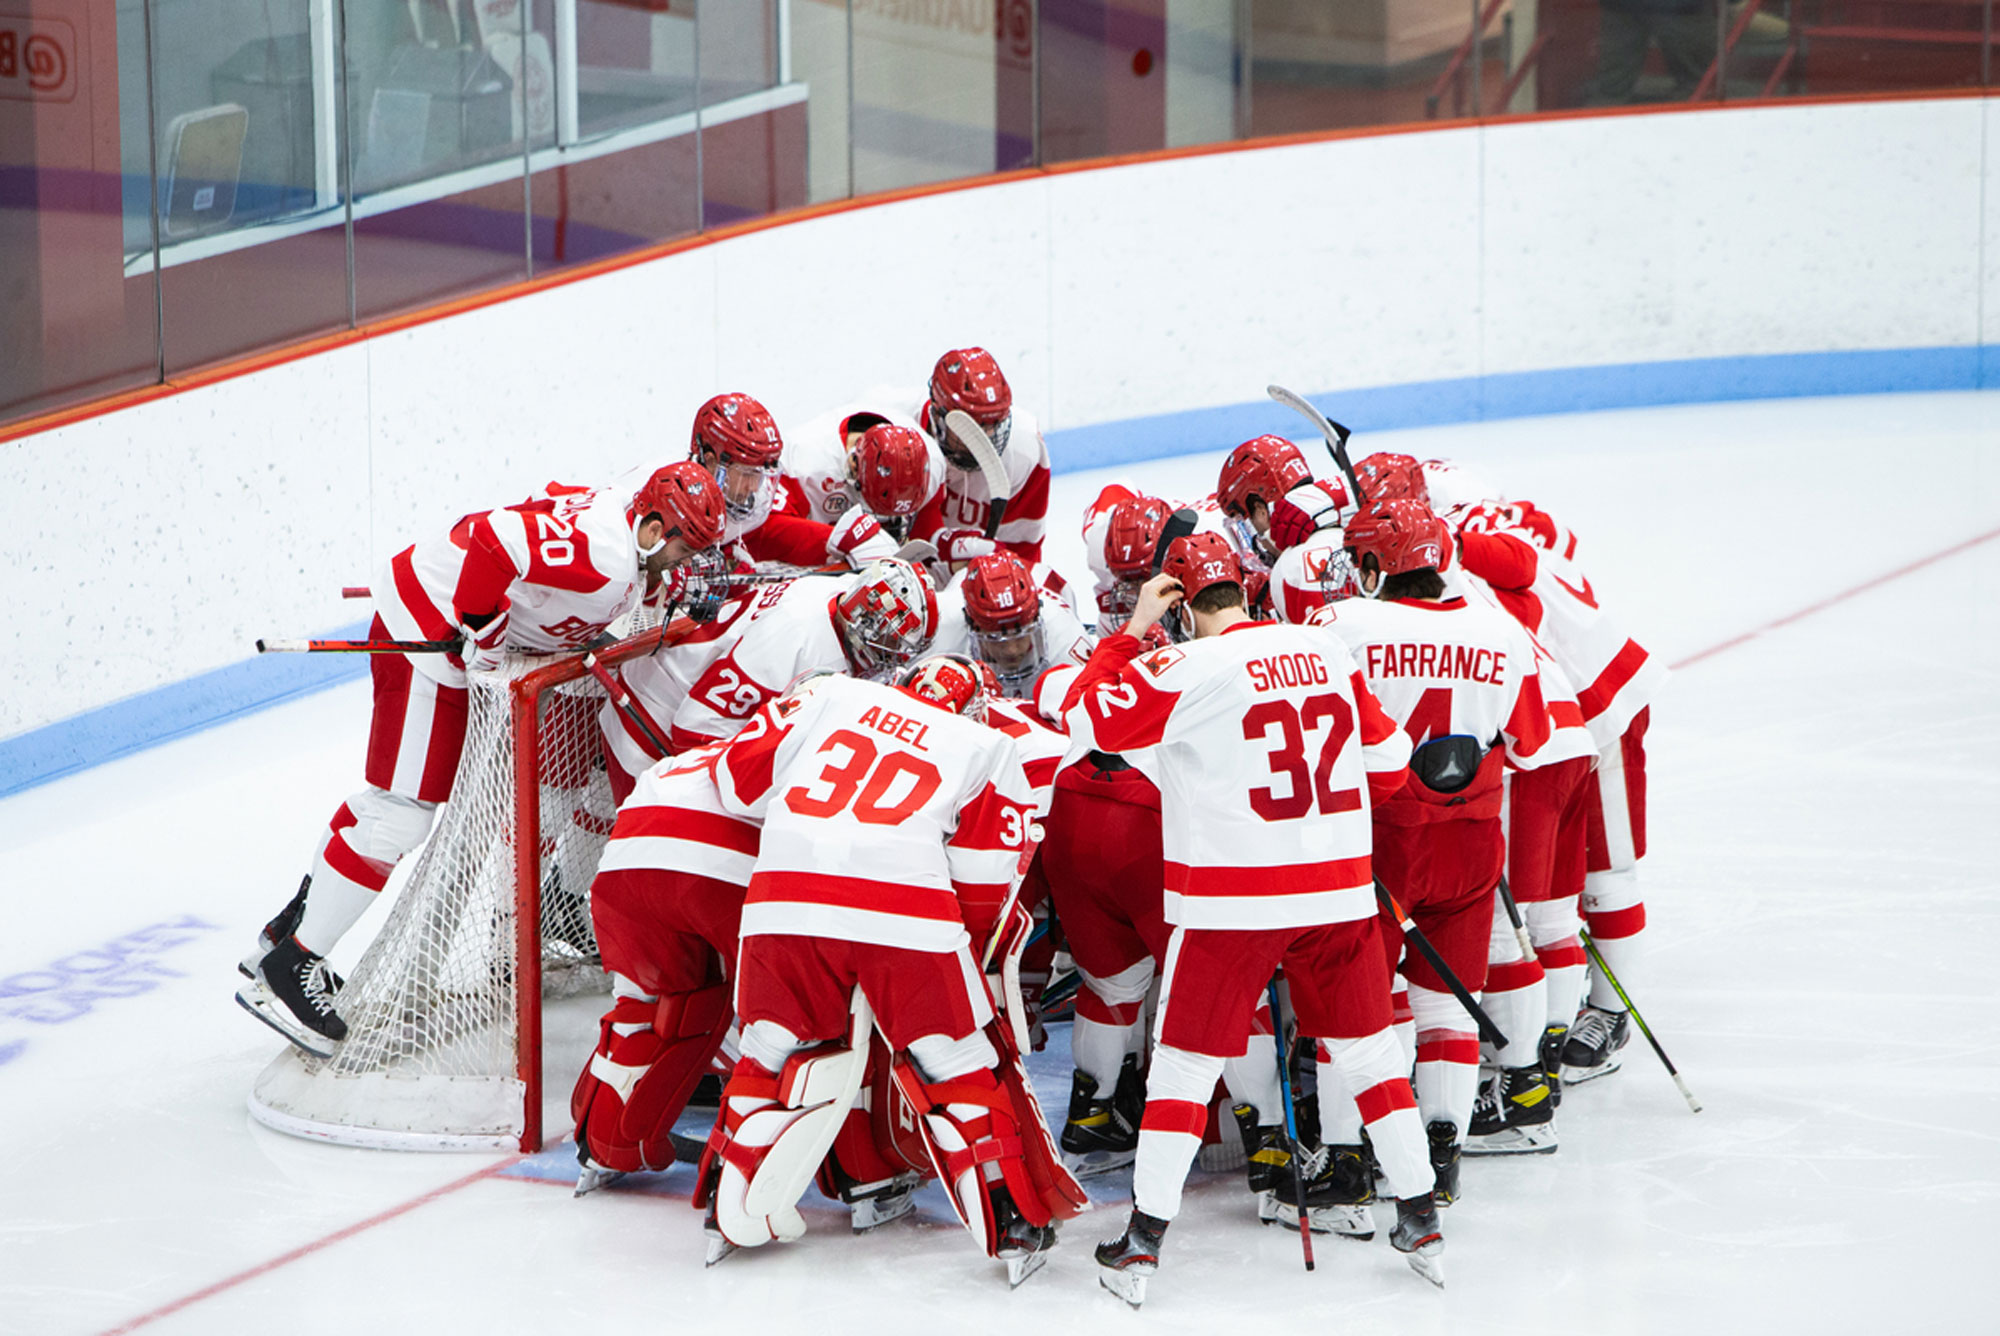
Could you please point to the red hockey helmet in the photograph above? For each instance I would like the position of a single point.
(886, 617)
(1400, 536)
(952, 682)
(687, 501)
(1385, 477)
(1000, 593)
(892, 469)
(1131, 534)
(1265, 467)
(737, 429)
(970, 380)
(1200, 560)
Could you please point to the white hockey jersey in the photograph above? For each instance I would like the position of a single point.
(962, 501)
(886, 819)
(815, 459)
(674, 821)
(542, 576)
(1269, 753)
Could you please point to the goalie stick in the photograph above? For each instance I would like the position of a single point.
(1335, 434)
(972, 438)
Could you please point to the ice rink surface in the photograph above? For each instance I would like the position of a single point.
(1823, 890)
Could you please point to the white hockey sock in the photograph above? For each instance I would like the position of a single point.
(1339, 1115)
(1177, 1091)
(1099, 1050)
(1252, 1078)
(1371, 1069)
(1516, 997)
(1616, 917)
(1447, 1058)
(1553, 924)
(333, 905)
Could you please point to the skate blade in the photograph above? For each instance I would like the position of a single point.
(1578, 1075)
(1288, 1216)
(1345, 1222)
(718, 1248)
(590, 1178)
(1268, 1208)
(1537, 1140)
(1090, 1163)
(1128, 1284)
(874, 1212)
(1026, 1264)
(258, 1000)
(1428, 1261)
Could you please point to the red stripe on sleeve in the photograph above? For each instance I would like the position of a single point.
(1597, 697)
(488, 572)
(1502, 560)
(788, 538)
(416, 600)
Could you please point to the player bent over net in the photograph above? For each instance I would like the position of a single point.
(1269, 753)
(933, 813)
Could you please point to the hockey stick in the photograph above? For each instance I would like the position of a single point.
(1514, 917)
(621, 700)
(1487, 1029)
(1291, 1121)
(972, 438)
(451, 646)
(1694, 1105)
(1336, 435)
(1180, 524)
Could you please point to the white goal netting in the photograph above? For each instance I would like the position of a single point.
(443, 1048)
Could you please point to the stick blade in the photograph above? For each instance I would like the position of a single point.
(1179, 525)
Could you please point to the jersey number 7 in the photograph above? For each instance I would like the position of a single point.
(1304, 790)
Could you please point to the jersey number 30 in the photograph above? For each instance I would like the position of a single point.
(1304, 789)
(839, 783)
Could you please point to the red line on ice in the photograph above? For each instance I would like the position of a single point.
(305, 1250)
(1841, 597)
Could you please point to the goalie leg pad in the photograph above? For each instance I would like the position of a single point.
(650, 1053)
(751, 1124)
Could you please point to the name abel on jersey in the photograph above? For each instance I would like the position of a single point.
(1286, 670)
(910, 731)
(1459, 661)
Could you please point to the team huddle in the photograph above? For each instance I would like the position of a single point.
(1302, 824)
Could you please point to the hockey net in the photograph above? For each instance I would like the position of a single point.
(444, 1008)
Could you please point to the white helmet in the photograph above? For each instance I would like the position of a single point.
(886, 617)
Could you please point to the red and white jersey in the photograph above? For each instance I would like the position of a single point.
(1306, 576)
(1064, 639)
(1614, 676)
(674, 821)
(961, 502)
(1040, 747)
(1569, 737)
(705, 687)
(815, 474)
(886, 819)
(543, 576)
(1113, 598)
(1269, 753)
(1445, 668)
(1523, 519)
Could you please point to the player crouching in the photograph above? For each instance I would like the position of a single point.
(933, 813)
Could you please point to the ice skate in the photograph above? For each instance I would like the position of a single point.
(1267, 1158)
(1022, 1246)
(1592, 1048)
(1103, 1134)
(1553, 1039)
(891, 1201)
(277, 930)
(1125, 1263)
(293, 994)
(1515, 1115)
(717, 1246)
(1443, 1138)
(1339, 1184)
(590, 1174)
(1418, 1237)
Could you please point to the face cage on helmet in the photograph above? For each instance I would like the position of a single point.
(1254, 551)
(1341, 578)
(958, 457)
(705, 585)
(878, 651)
(1017, 655)
(1122, 600)
(743, 509)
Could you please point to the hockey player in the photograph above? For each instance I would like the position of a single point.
(1018, 628)
(968, 379)
(548, 574)
(1289, 518)
(735, 438)
(876, 459)
(1615, 681)
(1460, 679)
(705, 686)
(933, 818)
(1269, 753)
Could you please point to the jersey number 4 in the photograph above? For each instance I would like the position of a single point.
(864, 780)
(1306, 788)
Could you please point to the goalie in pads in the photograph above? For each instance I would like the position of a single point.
(933, 815)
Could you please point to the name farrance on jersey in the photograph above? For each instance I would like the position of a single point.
(896, 726)
(1456, 661)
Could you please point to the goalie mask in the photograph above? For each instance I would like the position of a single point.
(1003, 609)
(886, 618)
(970, 380)
(952, 682)
(736, 439)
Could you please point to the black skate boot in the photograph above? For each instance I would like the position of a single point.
(1267, 1158)
(1553, 1040)
(1103, 1134)
(1125, 1263)
(1443, 1137)
(293, 994)
(1514, 1116)
(277, 930)
(1022, 1246)
(1418, 1237)
(1339, 1187)
(1592, 1048)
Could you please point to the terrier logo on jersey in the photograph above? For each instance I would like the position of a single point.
(1162, 659)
